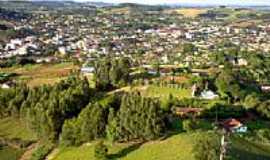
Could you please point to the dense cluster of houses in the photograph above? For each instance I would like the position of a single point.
(130, 35)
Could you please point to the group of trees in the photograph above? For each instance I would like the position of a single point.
(136, 118)
(110, 73)
(12, 99)
(89, 125)
(45, 108)
(232, 85)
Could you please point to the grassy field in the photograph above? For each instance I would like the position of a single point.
(177, 147)
(155, 91)
(7, 153)
(13, 128)
(38, 74)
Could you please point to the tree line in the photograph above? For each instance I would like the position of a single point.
(45, 108)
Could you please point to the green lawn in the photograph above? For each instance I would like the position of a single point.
(7, 153)
(177, 147)
(155, 91)
(14, 128)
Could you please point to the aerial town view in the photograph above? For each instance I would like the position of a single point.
(135, 80)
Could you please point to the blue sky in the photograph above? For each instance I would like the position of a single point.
(199, 2)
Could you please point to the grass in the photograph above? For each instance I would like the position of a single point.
(7, 153)
(163, 92)
(13, 128)
(242, 149)
(39, 74)
(177, 147)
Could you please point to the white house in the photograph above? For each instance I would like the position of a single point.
(62, 50)
(86, 70)
(208, 94)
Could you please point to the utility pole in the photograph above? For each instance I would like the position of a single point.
(223, 146)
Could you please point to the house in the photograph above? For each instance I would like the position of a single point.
(87, 70)
(5, 86)
(242, 62)
(62, 50)
(265, 88)
(234, 126)
(186, 111)
(208, 94)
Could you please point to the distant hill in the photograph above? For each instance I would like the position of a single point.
(141, 7)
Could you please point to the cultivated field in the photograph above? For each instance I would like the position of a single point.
(188, 12)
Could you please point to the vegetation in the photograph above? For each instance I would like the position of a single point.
(207, 147)
(51, 73)
(246, 150)
(111, 73)
(41, 152)
(156, 82)
(138, 118)
(170, 149)
(19, 129)
(9, 153)
(101, 151)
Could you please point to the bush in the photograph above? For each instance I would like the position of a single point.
(190, 125)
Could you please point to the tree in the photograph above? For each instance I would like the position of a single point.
(111, 73)
(92, 122)
(89, 125)
(101, 151)
(207, 147)
(69, 133)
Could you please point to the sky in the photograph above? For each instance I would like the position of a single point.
(198, 2)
